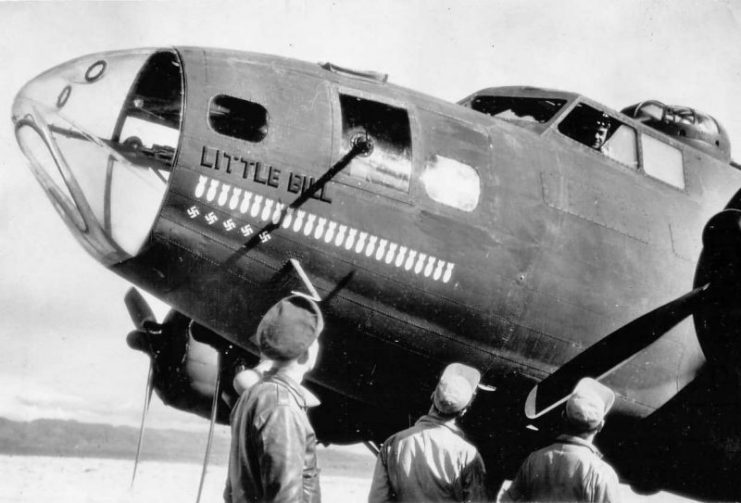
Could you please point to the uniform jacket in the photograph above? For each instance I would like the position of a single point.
(431, 461)
(571, 469)
(273, 449)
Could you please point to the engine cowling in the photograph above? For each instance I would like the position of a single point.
(185, 369)
(718, 321)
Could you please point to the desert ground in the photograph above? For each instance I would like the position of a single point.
(37, 479)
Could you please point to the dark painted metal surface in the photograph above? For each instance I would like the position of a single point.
(563, 247)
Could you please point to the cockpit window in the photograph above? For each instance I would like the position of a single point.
(238, 118)
(149, 125)
(539, 110)
(389, 164)
(662, 161)
(601, 132)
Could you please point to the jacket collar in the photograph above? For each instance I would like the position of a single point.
(304, 397)
(574, 440)
(434, 419)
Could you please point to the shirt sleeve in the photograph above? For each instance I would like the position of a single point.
(605, 485)
(474, 481)
(380, 491)
(282, 458)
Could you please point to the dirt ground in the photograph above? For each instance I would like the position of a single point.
(37, 479)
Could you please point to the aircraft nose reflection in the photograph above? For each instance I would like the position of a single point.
(101, 133)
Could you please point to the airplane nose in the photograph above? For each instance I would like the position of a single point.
(101, 133)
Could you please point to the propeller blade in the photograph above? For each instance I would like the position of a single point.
(139, 309)
(214, 408)
(147, 401)
(611, 352)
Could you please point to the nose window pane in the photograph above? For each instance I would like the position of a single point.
(48, 172)
(102, 133)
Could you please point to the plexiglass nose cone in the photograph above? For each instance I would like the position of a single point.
(101, 133)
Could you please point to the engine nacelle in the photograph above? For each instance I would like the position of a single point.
(185, 369)
(718, 321)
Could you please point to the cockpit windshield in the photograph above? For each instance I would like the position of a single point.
(525, 109)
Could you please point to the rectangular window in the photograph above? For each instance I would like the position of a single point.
(662, 161)
(389, 164)
(238, 118)
(601, 132)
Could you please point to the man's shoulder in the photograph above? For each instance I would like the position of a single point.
(273, 393)
(435, 432)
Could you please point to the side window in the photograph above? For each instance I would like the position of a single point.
(238, 118)
(601, 132)
(390, 163)
(662, 161)
(452, 183)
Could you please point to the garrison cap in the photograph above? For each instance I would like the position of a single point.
(289, 328)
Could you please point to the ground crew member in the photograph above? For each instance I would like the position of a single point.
(571, 469)
(273, 449)
(433, 460)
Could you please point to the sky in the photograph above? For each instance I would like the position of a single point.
(62, 318)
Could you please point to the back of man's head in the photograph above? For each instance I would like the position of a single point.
(587, 406)
(455, 389)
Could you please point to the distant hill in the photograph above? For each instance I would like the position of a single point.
(50, 437)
